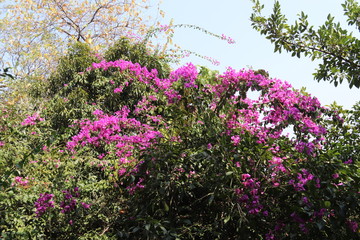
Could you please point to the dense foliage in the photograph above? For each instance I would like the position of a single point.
(120, 149)
(333, 44)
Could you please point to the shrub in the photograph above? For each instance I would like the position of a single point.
(186, 155)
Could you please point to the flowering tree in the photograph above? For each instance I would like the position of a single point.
(185, 154)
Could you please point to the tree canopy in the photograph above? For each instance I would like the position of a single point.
(35, 33)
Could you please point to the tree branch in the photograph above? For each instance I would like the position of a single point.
(322, 51)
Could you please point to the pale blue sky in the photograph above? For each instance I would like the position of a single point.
(231, 17)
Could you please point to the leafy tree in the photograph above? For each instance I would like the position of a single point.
(69, 90)
(36, 33)
(334, 45)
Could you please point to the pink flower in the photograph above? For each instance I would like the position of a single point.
(228, 39)
(352, 225)
(317, 184)
(85, 205)
(97, 112)
(235, 140)
(118, 90)
(43, 203)
(32, 120)
(349, 161)
(191, 173)
(245, 176)
(164, 28)
(305, 200)
(20, 181)
(152, 98)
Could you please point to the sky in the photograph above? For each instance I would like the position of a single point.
(252, 50)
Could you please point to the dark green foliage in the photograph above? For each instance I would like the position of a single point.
(71, 88)
(138, 53)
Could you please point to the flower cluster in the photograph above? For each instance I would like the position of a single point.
(187, 73)
(302, 179)
(127, 137)
(43, 203)
(353, 225)
(32, 120)
(276, 108)
(277, 168)
(228, 39)
(69, 202)
(20, 181)
(249, 194)
(125, 133)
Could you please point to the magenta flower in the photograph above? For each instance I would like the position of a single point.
(43, 203)
(20, 181)
(118, 90)
(349, 161)
(352, 225)
(228, 39)
(85, 205)
(335, 176)
(32, 120)
(235, 140)
(245, 176)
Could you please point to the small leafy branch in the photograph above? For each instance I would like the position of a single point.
(169, 29)
(334, 45)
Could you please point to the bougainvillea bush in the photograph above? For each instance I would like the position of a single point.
(185, 154)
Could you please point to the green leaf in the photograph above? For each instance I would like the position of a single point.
(227, 219)
(211, 199)
(166, 206)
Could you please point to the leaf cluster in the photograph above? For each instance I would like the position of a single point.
(331, 43)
